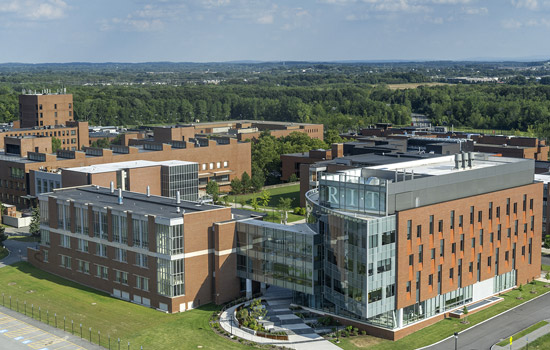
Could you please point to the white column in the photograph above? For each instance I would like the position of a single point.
(248, 288)
(399, 318)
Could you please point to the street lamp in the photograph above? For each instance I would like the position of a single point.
(456, 340)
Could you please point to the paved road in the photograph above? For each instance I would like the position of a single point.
(546, 259)
(15, 246)
(482, 337)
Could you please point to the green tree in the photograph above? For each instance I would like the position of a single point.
(246, 182)
(56, 144)
(242, 201)
(213, 189)
(3, 235)
(547, 241)
(257, 182)
(293, 178)
(34, 228)
(236, 186)
(284, 206)
(265, 196)
(101, 143)
(254, 203)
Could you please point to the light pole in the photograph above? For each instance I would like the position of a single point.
(456, 340)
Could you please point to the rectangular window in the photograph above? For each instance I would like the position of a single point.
(498, 212)
(509, 232)
(490, 210)
(142, 283)
(418, 231)
(480, 216)
(431, 280)
(411, 260)
(507, 206)
(532, 223)
(387, 238)
(66, 261)
(481, 237)
(506, 256)
(473, 242)
(431, 224)
(101, 250)
(83, 266)
(121, 277)
(489, 261)
(409, 229)
(45, 237)
(515, 207)
(421, 253)
(65, 241)
(83, 245)
(461, 221)
(524, 202)
(453, 248)
(225, 164)
(441, 247)
(121, 255)
(491, 237)
(498, 232)
(531, 203)
(142, 260)
(462, 242)
(451, 273)
(471, 267)
(471, 215)
(515, 227)
(102, 272)
(140, 232)
(46, 255)
(432, 253)
(408, 286)
(452, 219)
(440, 226)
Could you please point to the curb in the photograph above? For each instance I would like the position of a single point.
(482, 322)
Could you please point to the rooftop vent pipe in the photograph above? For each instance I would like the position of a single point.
(120, 196)
(178, 198)
(112, 187)
(148, 191)
(458, 158)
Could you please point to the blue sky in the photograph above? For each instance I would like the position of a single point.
(37, 31)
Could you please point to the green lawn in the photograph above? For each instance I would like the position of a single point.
(25, 238)
(141, 326)
(3, 252)
(523, 333)
(447, 327)
(545, 268)
(290, 191)
(542, 343)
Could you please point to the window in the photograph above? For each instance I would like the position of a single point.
(440, 226)
(44, 237)
(471, 267)
(515, 208)
(498, 231)
(498, 212)
(375, 295)
(203, 166)
(408, 286)
(460, 221)
(523, 250)
(473, 242)
(515, 227)
(491, 237)
(481, 237)
(142, 260)
(532, 223)
(121, 277)
(462, 242)
(432, 253)
(489, 261)
(531, 203)
(83, 245)
(102, 272)
(421, 253)
(387, 238)
(452, 219)
(451, 273)
(490, 210)
(390, 290)
(480, 216)
(64, 241)
(471, 215)
(409, 229)
(441, 247)
(431, 224)
(46, 255)
(524, 202)
(506, 255)
(411, 259)
(101, 250)
(507, 206)
(211, 166)
(66, 261)
(431, 280)
(218, 165)
(83, 266)
(418, 231)
(509, 232)
(140, 229)
(121, 255)
(225, 164)
(142, 283)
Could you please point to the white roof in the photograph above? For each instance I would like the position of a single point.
(109, 167)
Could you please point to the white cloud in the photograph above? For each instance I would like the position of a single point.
(35, 9)
(147, 19)
(265, 19)
(528, 4)
(511, 24)
(475, 10)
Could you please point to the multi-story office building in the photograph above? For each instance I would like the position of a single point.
(391, 248)
(155, 251)
(42, 109)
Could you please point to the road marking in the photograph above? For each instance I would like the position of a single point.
(19, 332)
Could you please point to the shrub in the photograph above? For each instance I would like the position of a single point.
(363, 333)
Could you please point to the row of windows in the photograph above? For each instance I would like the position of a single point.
(39, 106)
(101, 271)
(18, 185)
(60, 133)
(210, 166)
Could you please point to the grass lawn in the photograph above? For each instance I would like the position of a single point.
(542, 343)
(141, 326)
(3, 252)
(545, 268)
(290, 191)
(25, 238)
(523, 333)
(447, 327)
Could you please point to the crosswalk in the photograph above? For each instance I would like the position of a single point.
(33, 337)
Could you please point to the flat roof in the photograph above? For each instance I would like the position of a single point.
(298, 228)
(132, 201)
(109, 167)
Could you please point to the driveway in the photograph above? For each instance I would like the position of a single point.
(483, 336)
(18, 250)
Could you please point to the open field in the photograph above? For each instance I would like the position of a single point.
(141, 326)
(291, 191)
(447, 327)
(412, 85)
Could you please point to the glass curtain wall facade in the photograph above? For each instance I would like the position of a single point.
(182, 178)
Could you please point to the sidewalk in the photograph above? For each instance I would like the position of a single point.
(522, 342)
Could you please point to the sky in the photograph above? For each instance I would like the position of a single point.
(40, 31)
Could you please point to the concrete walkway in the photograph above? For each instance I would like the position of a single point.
(301, 336)
(522, 342)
